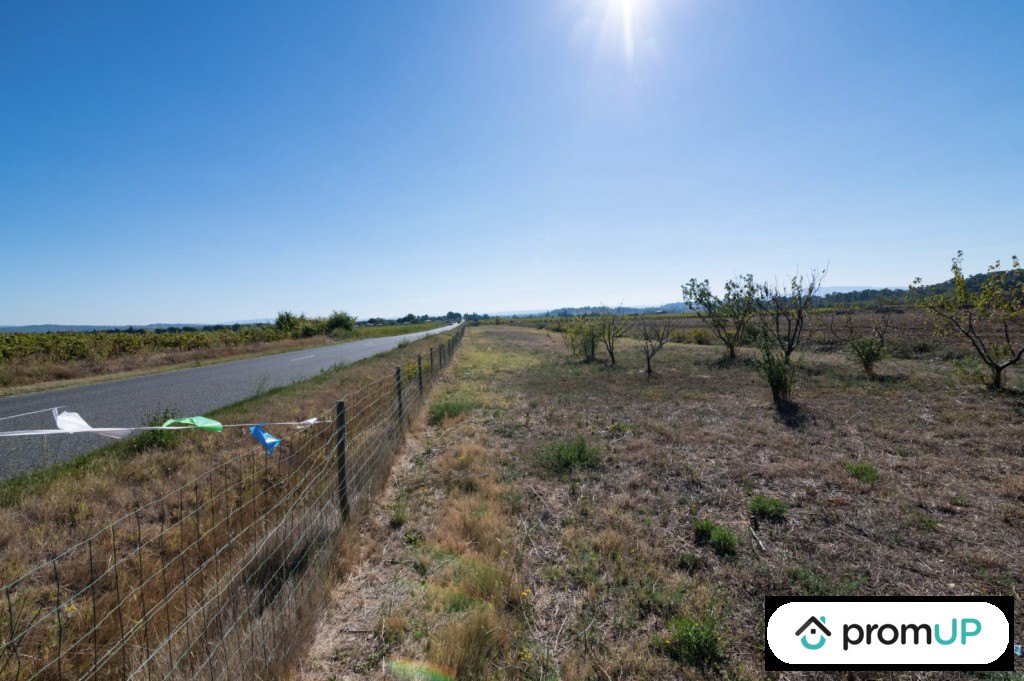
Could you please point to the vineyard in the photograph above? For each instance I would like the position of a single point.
(30, 358)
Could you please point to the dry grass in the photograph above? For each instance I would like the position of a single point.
(211, 522)
(605, 558)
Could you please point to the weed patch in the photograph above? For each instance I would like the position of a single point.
(693, 641)
(567, 456)
(865, 472)
(450, 405)
(767, 508)
(724, 541)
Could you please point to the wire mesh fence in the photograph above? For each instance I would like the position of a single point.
(221, 577)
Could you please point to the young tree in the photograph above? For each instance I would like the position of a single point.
(781, 316)
(868, 349)
(654, 332)
(581, 335)
(782, 312)
(611, 327)
(727, 316)
(991, 316)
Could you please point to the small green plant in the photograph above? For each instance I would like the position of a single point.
(449, 405)
(810, 582)
(767, 508)
(919, 519)
(460, 602)
(156, 439)
(568, 455)
(621, 429)
(724, 541)
(399, 513)
(691, 562)
(693, 641)
(702, 530)
(864, 472)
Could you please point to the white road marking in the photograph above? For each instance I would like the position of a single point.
(298, 358)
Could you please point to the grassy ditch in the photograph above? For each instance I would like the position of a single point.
(671, 507)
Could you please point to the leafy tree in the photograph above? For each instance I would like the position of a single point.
(581, 335)
(727, 316)
(654, 332)
(340, 321)
(286, 322)
(990, 316)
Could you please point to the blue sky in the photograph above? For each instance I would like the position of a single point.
(213, 161)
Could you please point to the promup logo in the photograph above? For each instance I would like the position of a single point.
(894, 633)
(814, 624)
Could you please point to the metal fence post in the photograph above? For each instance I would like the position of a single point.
(342, 445)
(431, 362)
(419, 371)
(398, 392)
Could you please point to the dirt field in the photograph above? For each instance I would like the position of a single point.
(505, 549)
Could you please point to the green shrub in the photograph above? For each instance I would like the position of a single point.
(868, 352)
(767, 508)
(702, 530)
(700, 337)
(693, 641)
(724, 541)
(568, 455)
(449, 405)
(864, 472)
(778, 373)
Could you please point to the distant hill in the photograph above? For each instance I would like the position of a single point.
(603, 309)
(833, 296)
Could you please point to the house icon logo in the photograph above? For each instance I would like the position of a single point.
(817, 628)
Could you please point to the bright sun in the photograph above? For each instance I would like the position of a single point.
(624, 20)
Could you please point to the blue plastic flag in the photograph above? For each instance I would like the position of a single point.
(265, 438)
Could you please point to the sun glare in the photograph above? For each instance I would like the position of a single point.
(624, 24)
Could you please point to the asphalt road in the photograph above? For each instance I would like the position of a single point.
(190, 392)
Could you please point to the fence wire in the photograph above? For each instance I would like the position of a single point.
(223, 577)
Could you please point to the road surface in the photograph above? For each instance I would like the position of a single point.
(189, 392)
